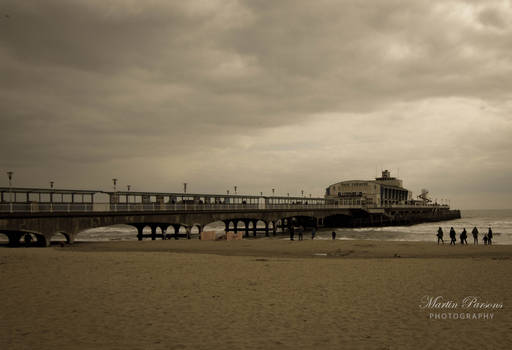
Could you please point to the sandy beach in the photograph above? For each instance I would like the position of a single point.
(254, 294)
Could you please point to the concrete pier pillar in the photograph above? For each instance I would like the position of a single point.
(42, 240)
(254, 224)
(266, 228)
(14, 238)
(140, 229)
(246, 233)
(235, 226)
(176, 230)
(153, 232)
(226, 223)
(274, 228)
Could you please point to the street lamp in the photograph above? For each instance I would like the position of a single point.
(9, 175)
(184, 187)
(235, 188)
(128, 187)
(227, 191)
(114, 181)
(302, 192)
(273, 191)
(51, 195)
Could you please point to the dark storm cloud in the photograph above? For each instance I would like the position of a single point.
(232, 88)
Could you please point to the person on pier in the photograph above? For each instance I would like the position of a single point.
(440, 235)
(475, 235)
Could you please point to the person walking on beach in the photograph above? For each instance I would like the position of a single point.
(440, 235)
(464, 237)
(452, 236)
(333, 235)
(475, 235)
(301, 233)
(485, 239)
(292, 232)
(313, 233)
(28, 239)
(489, 237)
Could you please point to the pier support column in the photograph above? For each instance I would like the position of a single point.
(266, 228)
(246, 233)
(42, 240)
(176, 230)
(274, 228)
(254, 224)
(14, 238)
(140, 229)
(235, 226)
(226, 224)
(153, 232)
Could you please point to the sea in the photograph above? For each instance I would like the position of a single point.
(499, 220)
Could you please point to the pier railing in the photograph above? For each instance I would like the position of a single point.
(156, 207)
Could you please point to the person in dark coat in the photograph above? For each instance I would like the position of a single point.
(464, 237)
(292, 232)
(28, 239)
(485, 239)
(452, 236)
(475, 235)
(440, 235)
(489, 236)
(333, 235)
(313, 233)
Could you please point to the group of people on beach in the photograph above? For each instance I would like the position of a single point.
(464, 236)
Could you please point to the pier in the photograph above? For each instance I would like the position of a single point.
(47, 213)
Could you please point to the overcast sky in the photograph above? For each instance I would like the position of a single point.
(281, 94)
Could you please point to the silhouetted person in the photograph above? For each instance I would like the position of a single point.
(292, 232)
(464, 237)
(452, 236)
(489, 236)
(475, 235)
(440, 235)
(485, 239)
(301, 234)
(28, 239)
(333, 235)
(313, 233)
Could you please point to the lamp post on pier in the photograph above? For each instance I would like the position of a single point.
(51, 195)
(235, 187)
(185, 187)
(128, 187)
(9, 175)
(114, 181)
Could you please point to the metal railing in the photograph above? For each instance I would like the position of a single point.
(156, 207)
(149, 207)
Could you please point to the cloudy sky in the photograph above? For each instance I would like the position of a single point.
(288, 94)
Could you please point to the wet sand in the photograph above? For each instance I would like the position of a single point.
(255, 294)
